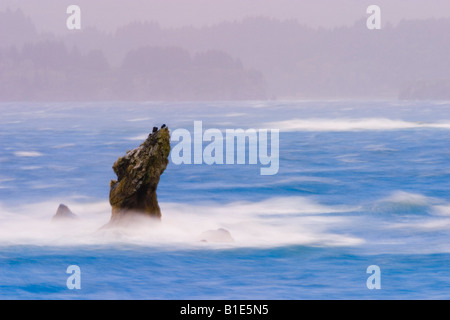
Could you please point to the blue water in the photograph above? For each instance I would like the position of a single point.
(359, 183)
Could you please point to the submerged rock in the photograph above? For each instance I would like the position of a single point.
(138, 174)
(64, 213)
(219, 235)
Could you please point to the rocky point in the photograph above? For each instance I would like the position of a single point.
(138, 174)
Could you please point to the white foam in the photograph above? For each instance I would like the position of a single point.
(351, 124)
(277, 221)
(3, 180)
(28, 154)
(273, 222)
(441, 210)
(141, 137)
(408, 197)
(139, 119)
(64, 145)
(424, 224)
(379, 147)
(235, 114)
(30, 168)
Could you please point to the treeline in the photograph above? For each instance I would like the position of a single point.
(47, 70)
(256, 58)
(297, 61)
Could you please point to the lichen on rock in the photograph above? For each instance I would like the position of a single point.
(138, 174)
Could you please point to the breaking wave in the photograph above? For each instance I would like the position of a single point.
(352, 124)
(390, 224)
(273, 222)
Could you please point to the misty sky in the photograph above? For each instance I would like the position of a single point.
(49, 15)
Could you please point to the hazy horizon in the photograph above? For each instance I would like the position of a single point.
(234, 50)
(108, 15)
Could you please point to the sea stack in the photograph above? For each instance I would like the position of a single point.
(64, 214)
(138, 173)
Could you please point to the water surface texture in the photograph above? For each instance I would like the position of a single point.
(359, 183)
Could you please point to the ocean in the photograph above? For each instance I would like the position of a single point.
(360, 183)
